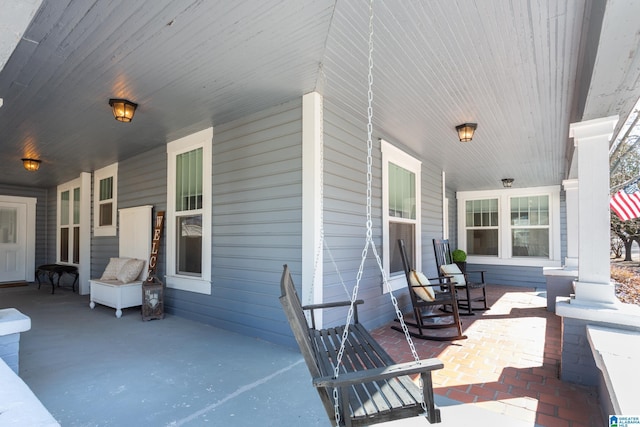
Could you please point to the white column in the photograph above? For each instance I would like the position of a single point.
(573, 221)
(312, 140)
(84, 269)
(591, 139)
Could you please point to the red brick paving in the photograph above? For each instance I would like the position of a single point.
(508, 364)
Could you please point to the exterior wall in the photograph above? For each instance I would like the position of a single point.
(142, 180)
(563, 225)
(345, 215)
(431, 215)
(512, 275)
(256, 218)
(345, 212)
(256, 224)
(42, 237)
(453, 218)
(578, 365)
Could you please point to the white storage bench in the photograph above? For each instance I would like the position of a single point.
(116, 294)
(121, 283)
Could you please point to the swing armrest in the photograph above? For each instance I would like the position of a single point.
(377, 374)
(312, 307)
(331, 304)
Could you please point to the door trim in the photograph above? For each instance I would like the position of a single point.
(30, 259)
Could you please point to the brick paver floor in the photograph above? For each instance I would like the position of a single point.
(509, 363)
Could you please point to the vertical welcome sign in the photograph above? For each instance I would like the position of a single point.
(152, 288)
(155, 245)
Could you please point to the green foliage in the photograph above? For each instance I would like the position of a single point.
(459, 255)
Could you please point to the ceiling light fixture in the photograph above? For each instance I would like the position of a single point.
(506, 182)
(465, 131)
(31, 165)
(123, 109)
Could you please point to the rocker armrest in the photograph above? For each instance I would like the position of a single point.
(445, 280)
(312, 307)
(377, 374)
(480, 272)
(476, 271)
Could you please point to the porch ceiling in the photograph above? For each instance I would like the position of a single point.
(521, 69)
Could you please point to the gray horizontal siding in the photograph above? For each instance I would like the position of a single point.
(511, 275)
(142, 180)
(345, 214)
(345, 167)
(256, 224)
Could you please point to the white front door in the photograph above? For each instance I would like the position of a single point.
(13, 242)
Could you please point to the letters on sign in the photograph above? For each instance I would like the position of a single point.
(155, 244)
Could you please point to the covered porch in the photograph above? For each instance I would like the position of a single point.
(89, 368)
(548, 83)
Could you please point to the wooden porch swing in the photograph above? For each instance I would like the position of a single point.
(358, 382)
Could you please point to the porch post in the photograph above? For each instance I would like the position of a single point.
(573, 221)
(591, 139)
(594, 302)
(312, 140)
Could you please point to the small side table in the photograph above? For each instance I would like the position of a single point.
(57, 269)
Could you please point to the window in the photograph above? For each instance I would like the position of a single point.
(481, 222)
(69, 223)
(401, 211)
(512, 227)
(189, 213)
(105, 200)
(530, 226)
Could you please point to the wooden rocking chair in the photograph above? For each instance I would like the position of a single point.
(426, 298)
(371, 387)
(449, 270)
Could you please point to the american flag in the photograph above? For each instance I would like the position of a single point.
(626, 202)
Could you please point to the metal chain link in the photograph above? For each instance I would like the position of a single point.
(369, 242)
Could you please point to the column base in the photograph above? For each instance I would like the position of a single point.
(592, 294)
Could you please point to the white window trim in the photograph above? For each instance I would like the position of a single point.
(392, 154)
(504, 225)
(67, 186)
(100, 174)
(84, 267)
(200, 284)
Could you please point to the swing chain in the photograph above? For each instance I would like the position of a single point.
(369, 241)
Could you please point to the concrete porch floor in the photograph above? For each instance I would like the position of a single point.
(91, 369)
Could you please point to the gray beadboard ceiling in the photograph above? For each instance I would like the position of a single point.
(522, 69)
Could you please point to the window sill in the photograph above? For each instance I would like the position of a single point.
(521, 262)
(189, 284)
(104, 231)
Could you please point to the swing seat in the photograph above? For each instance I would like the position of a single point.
(371, 387)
